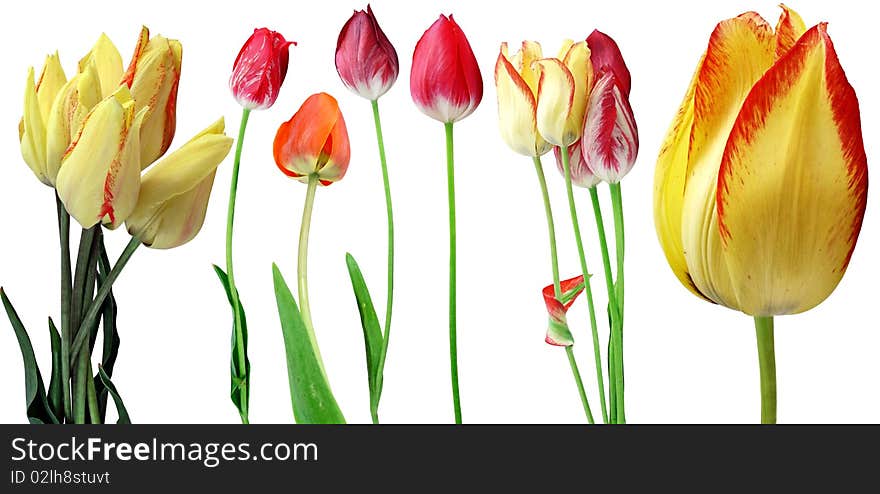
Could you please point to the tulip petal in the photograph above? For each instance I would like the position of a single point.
(314, 141)
(793, 182)
(522, 61)
(605, 56)
(516, 109)
(577, 59)
(610, 134)
(107, 63)
(789, 29)
(174, 192)
(52, 79)
(555, 102)
(743, 46)
(74, 101)
(558, 333)
(32, 132)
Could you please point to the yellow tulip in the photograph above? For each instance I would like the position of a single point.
(73, 103)
(38, 99)
(563, 88)
(174, 192)
(105, 60)
(517, 86)
(100, 177)
(153, 76)
(761, 184)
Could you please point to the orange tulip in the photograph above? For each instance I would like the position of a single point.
(314, 141)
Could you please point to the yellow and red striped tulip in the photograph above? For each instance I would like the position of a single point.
(153, 77)
(100, 178)
(38, 99)
(564, 85)
(174, 192)
(516, 81)
(761, 184)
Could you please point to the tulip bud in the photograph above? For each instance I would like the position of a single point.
(365, 59)
(314, 141)
(38, 99)
(517, 86)
(581, 174)
(558, 333)
(605, 57)
(100, 178)
(104, 58)
(610, 135)
(73, 103)
(259, 69)
(563, 88)
(174, 192)
(445, 82)
(153, 76)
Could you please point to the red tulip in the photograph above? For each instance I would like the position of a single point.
(610, 138)
(259, 69)
(558, 333)
(365, 59)
(445, 81)
(314, 141)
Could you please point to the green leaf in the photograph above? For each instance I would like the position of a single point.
(120, 407)
(38, 409)
(239, 381)
(110, 349)
(56, 383)
(370, 324)
(310, 394)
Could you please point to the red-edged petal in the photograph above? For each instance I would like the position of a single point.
(605, 56)
(558, 333)
(610, 134)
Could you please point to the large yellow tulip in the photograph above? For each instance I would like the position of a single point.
(38, 99)
(516, 81)
(153, 77)
(564, 85)
(761, 183)
(100, 177)
(174, 192)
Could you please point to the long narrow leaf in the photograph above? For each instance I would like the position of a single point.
(56, 382)
(238, 380)
(370, 325)
(38, 409)
(120, 407)
(310, 395)
(111, 341)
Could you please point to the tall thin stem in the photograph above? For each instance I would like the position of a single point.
(302, 266)
(569, 351)
(236, 304)
(551, 228)
(453, 343)
(767, 365)
(615, 381)
(374, 407)
(66, 289)
(597, 353)
(619, 241)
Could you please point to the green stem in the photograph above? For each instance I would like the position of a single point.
(66, 289)
(580, 383)
(619, 241)
(551, 228)
(615, 380)
(303, 264)
(453, 344)
(374, 407)
(94, 309)
(84, 257)
(767, 365)
(91, 395)
(236, 304)
(597, 353)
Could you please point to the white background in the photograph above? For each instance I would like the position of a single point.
(686, 360)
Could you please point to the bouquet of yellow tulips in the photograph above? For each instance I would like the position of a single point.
(100, 141)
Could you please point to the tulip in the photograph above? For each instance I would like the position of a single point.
(445, 81)
(761, 184)
(76, 98)
(581, 173)
(517, 86)
(563, 87)
(365, 59)
(100, 178)
(259, 69)
(153, 76)
(256, 79)
(558, 333)
(314, 142)
(38, 99)
(104, 58)
(174, 192)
